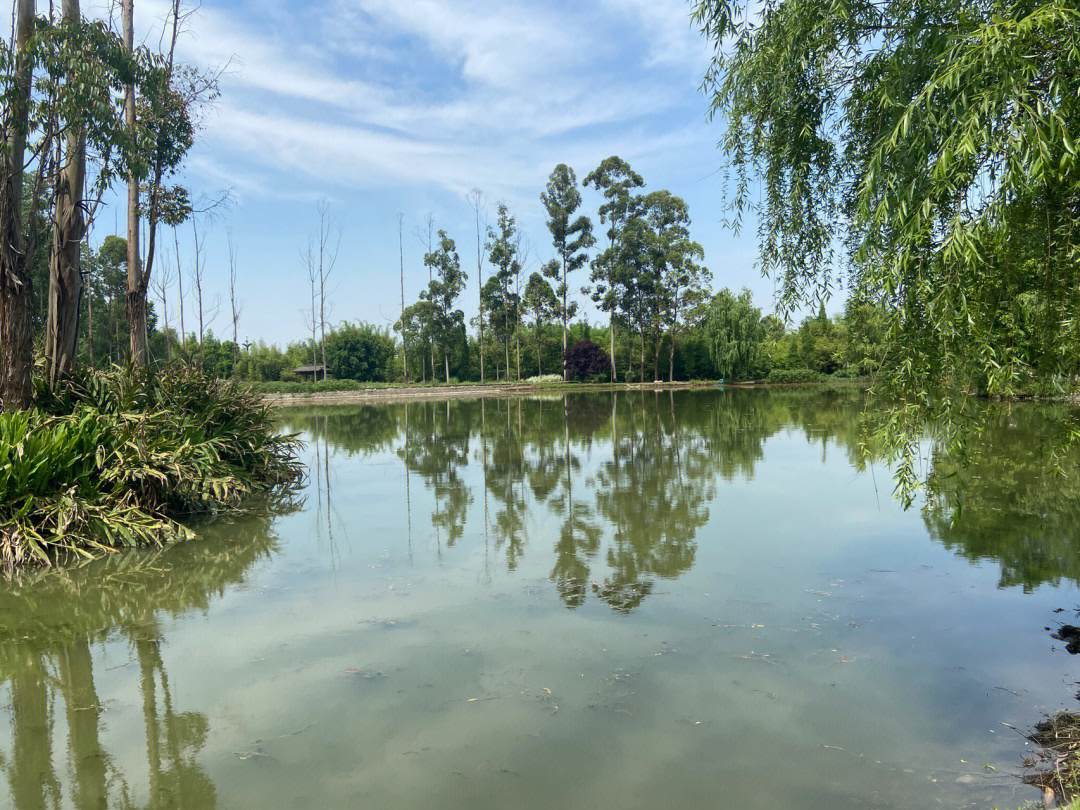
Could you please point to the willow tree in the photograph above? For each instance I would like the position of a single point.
(923, 150)
(572, 236)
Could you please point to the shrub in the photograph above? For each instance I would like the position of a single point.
(585, 360)
(795, 375)
(359, 352)
(113, 458)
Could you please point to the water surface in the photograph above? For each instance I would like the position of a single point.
(645, 600)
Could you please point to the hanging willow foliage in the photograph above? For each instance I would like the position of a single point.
(923, 153)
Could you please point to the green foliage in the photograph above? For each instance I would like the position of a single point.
(735, 334)
(112, 459)
(359, 352)
(933, 142)
(795, 375)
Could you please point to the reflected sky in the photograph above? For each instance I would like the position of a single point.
(648, 599)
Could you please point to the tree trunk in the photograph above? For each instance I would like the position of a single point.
(15, 290)
(446, 364)
(564, 319)
(65, 280)
(671, 359)
(656, 353)
(539, 365)
(90, 322)
(135, 293)
(611, 342)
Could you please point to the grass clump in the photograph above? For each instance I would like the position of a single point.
(1055, 767)
(113, 459)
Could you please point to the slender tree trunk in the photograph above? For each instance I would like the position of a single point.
(446, 364)
(180, 293)
(401, 258)
(65, 280)
(16, 300)
(611, 343)
(671, 358)
(656, 352)
(135, 297)
(90, 321)
(564, 319)
(539, 364)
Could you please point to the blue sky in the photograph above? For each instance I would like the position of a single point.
(383, 107)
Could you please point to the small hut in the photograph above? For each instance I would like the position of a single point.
(310, 373)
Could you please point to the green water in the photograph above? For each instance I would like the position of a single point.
(646, 600)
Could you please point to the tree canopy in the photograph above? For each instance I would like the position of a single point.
(923, 153)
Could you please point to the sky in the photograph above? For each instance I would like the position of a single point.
(387, 107)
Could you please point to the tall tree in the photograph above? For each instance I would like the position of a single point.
(671, 255)
(500, 298)
(161, 122)
(445, 287)
(401, 261)
(686, 287)
(65, 279)
(16, 295)
(541, 302)
(235, 304)
(572, 236)
(615, 180)
(475, 199)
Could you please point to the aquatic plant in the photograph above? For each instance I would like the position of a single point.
(114, 458)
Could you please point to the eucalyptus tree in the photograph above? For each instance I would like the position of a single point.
(541, 302)
(15, 290)
(685, 283)
(671, 252)
(932, 145)
(615, 180)
(445, 287)
(160, 115)
(572, 236)
(76, 69)
(499, 296)
(475, 198)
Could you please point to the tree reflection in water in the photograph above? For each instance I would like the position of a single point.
(630, 515)
(48, 622)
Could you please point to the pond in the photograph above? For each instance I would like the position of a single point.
(631, 600)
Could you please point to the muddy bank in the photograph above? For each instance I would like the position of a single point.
(409, 394)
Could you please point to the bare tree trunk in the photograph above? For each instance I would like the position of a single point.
(134, 299)
(476, 201)
(65, 280)
(15, 290)
(401, 259)
(611, 343)
(656, 353)
(90, 320)
(564, 320)
(234, 305)
(539, 362)
(671, 359)
(446, 363)
(180, 293)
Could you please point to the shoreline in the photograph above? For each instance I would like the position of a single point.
(490, 390)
